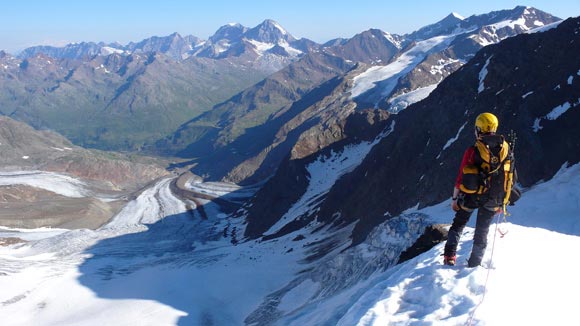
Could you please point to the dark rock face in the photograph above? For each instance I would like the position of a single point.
(230, 32)
(432, 236)
(294, 178)
(528, 77)
(291, 179)
(373, 47)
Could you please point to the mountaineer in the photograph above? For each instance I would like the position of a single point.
(484, 182)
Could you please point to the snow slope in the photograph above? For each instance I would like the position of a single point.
(158, 264)
(529, 280)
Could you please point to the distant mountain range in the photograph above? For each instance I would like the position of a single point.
(232, 40)
(117, 97)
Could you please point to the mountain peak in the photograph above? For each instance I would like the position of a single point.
(440, 27)
(231, 31)
(269, 31)
(269, 23)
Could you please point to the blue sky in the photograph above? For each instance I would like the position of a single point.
(57, 22)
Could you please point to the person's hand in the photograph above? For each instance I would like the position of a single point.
(454, 205)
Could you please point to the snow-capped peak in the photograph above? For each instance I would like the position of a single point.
(231, 31)
(277, 26)
(269, 31)
(458, 16)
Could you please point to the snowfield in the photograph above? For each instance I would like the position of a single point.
(389, 75)
(157, 263)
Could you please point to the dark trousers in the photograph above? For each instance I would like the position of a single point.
(484, 218)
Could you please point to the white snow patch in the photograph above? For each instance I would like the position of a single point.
(30, 234)
(107, 50)
(441, 64)
(280, 28)
(570, 80)
(456, 15)
(401, 102)
(482, 75)
(554, 114)
(391, 39)
(57, 183)
(558, 111)
(538, 23)
(521, 22)
(261, 46)
(536, 126)
(527, 94)
(452, 140)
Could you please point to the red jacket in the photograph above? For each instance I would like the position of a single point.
(468, 158)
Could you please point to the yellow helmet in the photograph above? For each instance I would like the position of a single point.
(486, 122)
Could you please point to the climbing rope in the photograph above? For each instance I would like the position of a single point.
(504, 220)
(497, 230)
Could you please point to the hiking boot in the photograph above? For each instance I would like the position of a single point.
(449, 260)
